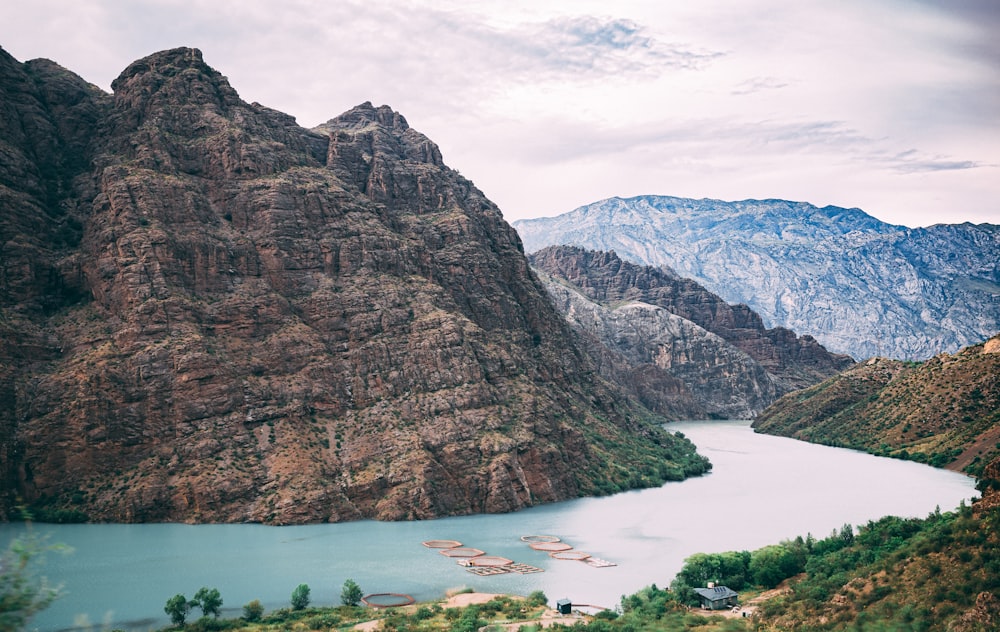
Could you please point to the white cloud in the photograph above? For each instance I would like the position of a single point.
(889, 105)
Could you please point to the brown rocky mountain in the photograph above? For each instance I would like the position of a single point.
(209, 313)
(685, 352)
(944, 411)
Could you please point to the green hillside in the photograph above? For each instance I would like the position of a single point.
(944, 411)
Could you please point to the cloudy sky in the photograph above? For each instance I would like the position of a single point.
(892, 106)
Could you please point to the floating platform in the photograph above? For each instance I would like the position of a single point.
(539, 538)
(485, 571)
(524, 569)
(514, 567)
(490, 560)
(462, 551)
(387, 600)
(597, 562)
(477, 562)
(550, 546)
(569, 555)
(442, 544)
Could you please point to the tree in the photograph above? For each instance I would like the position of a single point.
(177, 607)
(350, 594)
(300, 597)
(847, 534)
(209, 600)
(253, 611)
(773, 564)
(22, 595)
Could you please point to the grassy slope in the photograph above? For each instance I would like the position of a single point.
(934, 574)
(945, 411)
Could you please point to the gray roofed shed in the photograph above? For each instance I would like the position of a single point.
(717, 597)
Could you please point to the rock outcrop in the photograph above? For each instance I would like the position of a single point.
(210, 313)
(858, 285)
(684, 351)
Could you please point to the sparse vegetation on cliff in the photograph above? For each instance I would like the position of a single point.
(944, 412)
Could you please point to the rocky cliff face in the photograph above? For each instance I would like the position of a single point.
(944, 411)
(213, 314)
(860, 286)
(685, 351)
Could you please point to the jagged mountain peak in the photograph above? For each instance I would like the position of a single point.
(152, 88)
(365, 115)
(378, 133)
(762, 218)
(152, 70)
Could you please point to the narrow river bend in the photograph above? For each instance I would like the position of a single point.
(762, 490)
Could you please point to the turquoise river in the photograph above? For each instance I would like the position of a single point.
(762, 490)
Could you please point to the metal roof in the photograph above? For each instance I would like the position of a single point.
(719, 592)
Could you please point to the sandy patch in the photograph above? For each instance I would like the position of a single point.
(467, 599)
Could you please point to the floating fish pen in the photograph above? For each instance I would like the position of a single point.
(462, 551)
(490, 560)
(559, 550)
(550, 546)
(597, 562)
(477, 562)
(387, 600)
(473, 567)
(442, 544)
(486, 571)
(539, 538)
(524, 569)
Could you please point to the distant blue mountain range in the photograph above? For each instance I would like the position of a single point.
(858, 285)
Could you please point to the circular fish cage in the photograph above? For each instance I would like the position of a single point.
(539, 538)
(550, 546)
(387, 600)
(569, 555)
(462, 551)
(491, 560)
(442, 544)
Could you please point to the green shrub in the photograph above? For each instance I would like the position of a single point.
(300, 597)
(323, 621)
(253, 611)
(537, 598)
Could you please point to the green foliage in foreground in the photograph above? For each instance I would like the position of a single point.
(903, 574)
(650, 609)
(253, 611)
(177, 607)
(350, 594)
(22, 593)
(891, 574)
(300, 597)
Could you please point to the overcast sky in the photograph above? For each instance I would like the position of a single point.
(892, 106)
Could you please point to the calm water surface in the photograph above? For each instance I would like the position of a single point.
(762, 490)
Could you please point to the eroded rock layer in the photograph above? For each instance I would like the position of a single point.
(213, 314)
(685, 352)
